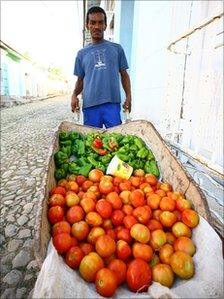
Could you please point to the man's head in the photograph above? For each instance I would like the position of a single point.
(96, 22)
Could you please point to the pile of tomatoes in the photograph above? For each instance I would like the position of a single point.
(118, 231)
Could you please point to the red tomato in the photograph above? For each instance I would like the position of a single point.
(58, 190)
(61, 227)
(75, 214)
(106, 186)
(105, 246)
(62, 242)
(123, 250)
(104, 208)
(129, 221)
(106, 282)
(56, 200)
(80, 179)
(86, 248)
(55, 214)
(139, 275)
(95, 175)
(117, 217)
(90, 265)
(73, 257)
(97, 143)
(124, 234)
(119, 268)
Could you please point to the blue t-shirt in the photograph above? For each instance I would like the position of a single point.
(99, 66)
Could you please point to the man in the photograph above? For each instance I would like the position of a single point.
(99, 67)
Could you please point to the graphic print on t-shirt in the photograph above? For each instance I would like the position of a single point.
(99, 59)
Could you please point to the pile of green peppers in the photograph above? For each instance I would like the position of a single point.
(77, 155)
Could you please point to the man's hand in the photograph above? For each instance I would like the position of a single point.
(127, 104)
(74, 103)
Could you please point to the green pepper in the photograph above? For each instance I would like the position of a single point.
(73, 168)
(150, 155)
(101, 167)
(122, 150)
(105, 159)
(142, 153)
(84, 170)
(63, 136)
(59, 174)
(123, 157)
(66, 150)
(92, 161)
(60, 158)
(139, 142)
(74, 135)
(133, 148)
(151, 167)
(65, 143)
(127, 139)
(80, 147)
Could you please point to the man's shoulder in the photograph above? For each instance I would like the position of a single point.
(113, 44)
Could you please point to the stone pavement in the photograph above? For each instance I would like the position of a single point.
(26, 139)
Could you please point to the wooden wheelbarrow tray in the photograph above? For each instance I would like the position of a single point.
(170, 168)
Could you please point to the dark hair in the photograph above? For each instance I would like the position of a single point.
(94, 9)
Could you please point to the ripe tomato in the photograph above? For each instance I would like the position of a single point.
(142, 214)
(158, 238)
(154, 224)
(72, 199)
(62, 242)
(114, 200)
(105, 246)
(129, 221)
(139, 275)
(139, 172)
(167, 218)
(179, 229)
(56, 200)
(73, 186)
(125, 197)
(90, 265)
(151, 179)
(119, 268)
(106, 186)
(117, 217)
(184, 244)
(167, 204)
(73, 257)
(94, 219)
(97, 143)
(190, 218)
(75, 214)
(58, 190)
(183, 204)
(123, 250)
(55, 214)
(104, 208)
(80, 230)
(107, 224)
(86, 248)
(127, 209)
(137, 198)
(163, 274)
(60, 227)
(88, 204)
(143, 251)
(165, 253)
(153, 201)
(111, 232)
(182, 264)
(106, 282)
(80, 179)
(86, 185)
(165, 187)
(135, 181)
(170, 238)
(94, 234)
(124, 234)
(95, 175)
(140, 233)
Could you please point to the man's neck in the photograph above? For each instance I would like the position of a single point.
(98, 41)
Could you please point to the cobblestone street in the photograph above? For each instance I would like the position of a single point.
(26, 139)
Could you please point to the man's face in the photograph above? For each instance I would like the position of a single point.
(96, 25)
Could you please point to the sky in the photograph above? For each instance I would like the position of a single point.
(50, 31)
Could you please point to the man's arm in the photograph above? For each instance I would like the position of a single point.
(76, 92)
(126, 83)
